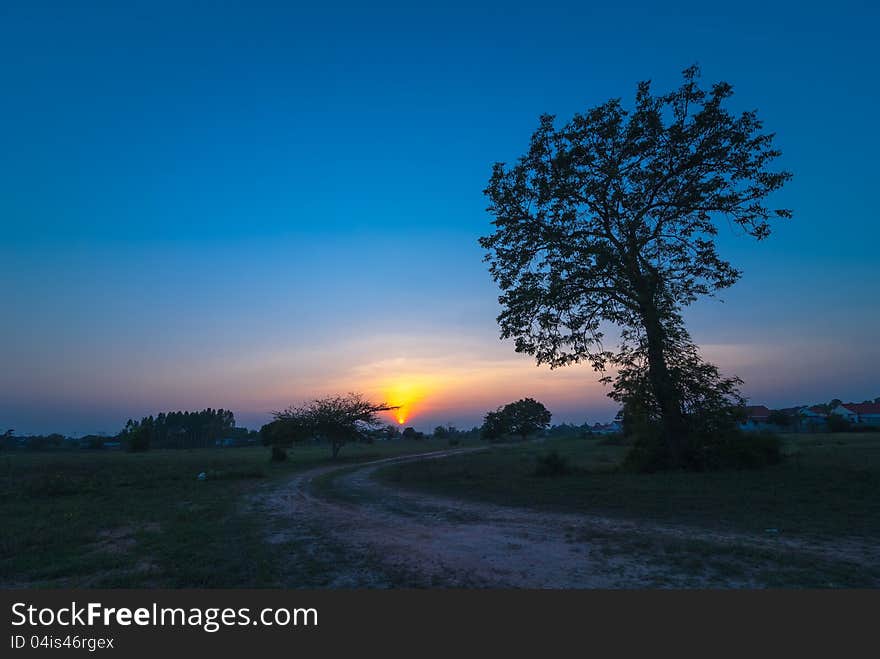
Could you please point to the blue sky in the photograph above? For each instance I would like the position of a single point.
(240, 205)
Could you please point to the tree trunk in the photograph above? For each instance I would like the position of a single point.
(668, 400)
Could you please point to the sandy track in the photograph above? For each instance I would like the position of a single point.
(439, 541)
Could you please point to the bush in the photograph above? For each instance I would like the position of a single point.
(738, 451)
(279, 454)
(837, 423)
(552, 465)
(454, 441)
(729, 450)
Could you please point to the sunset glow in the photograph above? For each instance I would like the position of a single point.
(406, 395)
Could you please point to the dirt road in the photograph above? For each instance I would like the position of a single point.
(423, 540)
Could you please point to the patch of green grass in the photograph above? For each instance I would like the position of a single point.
(113, 519)
(828, 485)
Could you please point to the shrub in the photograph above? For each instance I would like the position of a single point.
(411, 433)
(552, 465)
(454, 441)
(279, 454)
(837, 423)
(728, 450)
(745, 451)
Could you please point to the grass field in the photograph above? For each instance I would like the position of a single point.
(828, 486)
(113, 519)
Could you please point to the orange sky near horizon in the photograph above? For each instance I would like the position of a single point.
(438, 379)
(431, 388)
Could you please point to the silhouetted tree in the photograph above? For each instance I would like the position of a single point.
(522, 418)
(612, 218)
(411, 433)
(335, 419)
(710, 404)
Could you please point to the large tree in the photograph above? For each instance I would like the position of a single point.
(612, 218)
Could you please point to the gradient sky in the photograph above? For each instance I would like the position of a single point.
(240, 206)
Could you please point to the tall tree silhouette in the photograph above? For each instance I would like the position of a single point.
(612, 218)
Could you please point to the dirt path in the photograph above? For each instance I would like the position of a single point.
(434, 541)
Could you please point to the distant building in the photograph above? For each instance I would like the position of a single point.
(812, 418)
(859, 414)
(802, 419)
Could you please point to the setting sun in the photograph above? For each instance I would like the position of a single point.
(407, 395)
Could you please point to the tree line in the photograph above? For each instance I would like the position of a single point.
(338, 420)
(183, 430)
(198, 429)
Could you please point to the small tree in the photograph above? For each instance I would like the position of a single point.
(522, 418)
(411, 433)
(338, 419)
